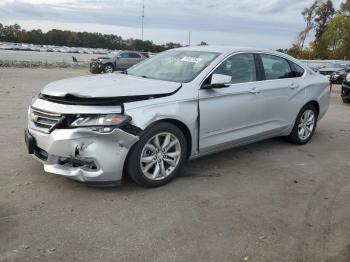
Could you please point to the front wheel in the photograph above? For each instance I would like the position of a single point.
(108, 68)
(158, 156)
(305, 126)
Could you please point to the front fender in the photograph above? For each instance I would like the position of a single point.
(185, 112)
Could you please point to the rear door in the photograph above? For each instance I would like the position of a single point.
(282, 91)
(133, 59)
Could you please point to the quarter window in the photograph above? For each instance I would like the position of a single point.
(298, 71)
(276, 67)
(240, 67)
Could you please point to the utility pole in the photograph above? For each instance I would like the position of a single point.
(142, 17)
(189, 38)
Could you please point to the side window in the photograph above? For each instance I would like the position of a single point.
(240, 67)
(124, 55)
(134, 55)
(276, 67)
(298, 71)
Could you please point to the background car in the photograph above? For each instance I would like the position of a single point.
(345, 90)
(339, 76)
(332, 68)
(314, 68)
(121, 61)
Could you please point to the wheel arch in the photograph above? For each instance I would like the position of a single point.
(109, 63)
(315, 104)
(184, 129)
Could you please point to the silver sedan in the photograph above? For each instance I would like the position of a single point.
(180, 104)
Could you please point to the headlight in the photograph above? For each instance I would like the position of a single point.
(348, 78)
(101, 123)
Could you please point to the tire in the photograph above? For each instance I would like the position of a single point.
(346, 101)
(299, 137)
(108, 68)
(149, 166)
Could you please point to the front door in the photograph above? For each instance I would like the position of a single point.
(232, 115)
(123, 60)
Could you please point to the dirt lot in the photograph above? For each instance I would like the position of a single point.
(269, 201)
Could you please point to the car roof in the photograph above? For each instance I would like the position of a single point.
(129, 51)
(225, 49)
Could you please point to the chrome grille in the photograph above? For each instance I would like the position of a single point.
(44, 120)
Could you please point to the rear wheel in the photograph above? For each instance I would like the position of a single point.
(305, 126)
(158, 156)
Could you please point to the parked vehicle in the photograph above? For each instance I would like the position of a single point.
(181, 104)
(331, 68)
(314, 68)
(339, 76)
(345, 89)
(121, 61)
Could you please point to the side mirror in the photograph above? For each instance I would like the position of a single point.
(219, 81)
(119, 56)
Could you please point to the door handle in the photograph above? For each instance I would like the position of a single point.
(255, 91)
(294, 86)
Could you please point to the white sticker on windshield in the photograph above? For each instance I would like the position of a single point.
(190, 59)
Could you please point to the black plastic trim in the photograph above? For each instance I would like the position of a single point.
(102, 101)
(102, 184)
(260, 71)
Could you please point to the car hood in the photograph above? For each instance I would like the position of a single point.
(109, 86)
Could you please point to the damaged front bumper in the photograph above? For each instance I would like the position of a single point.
(82, 154)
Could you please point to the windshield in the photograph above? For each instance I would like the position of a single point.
(336, 66)
(175, 66)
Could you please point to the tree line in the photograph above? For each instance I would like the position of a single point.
(16, 34)
(331, 28)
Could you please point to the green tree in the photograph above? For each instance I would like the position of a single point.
(14, 33)
(324, 14)
(337, 37)
(309, 14)
(345, 8)
(202, 43)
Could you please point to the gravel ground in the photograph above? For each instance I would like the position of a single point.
(270, 201)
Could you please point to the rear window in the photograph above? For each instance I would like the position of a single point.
(276, 67)
(134, 55)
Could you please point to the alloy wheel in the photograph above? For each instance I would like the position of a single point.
(306, 125)
(108, 69)
(160, 156)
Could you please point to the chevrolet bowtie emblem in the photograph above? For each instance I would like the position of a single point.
(34, 117)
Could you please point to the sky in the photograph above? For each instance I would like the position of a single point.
(257, 23)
